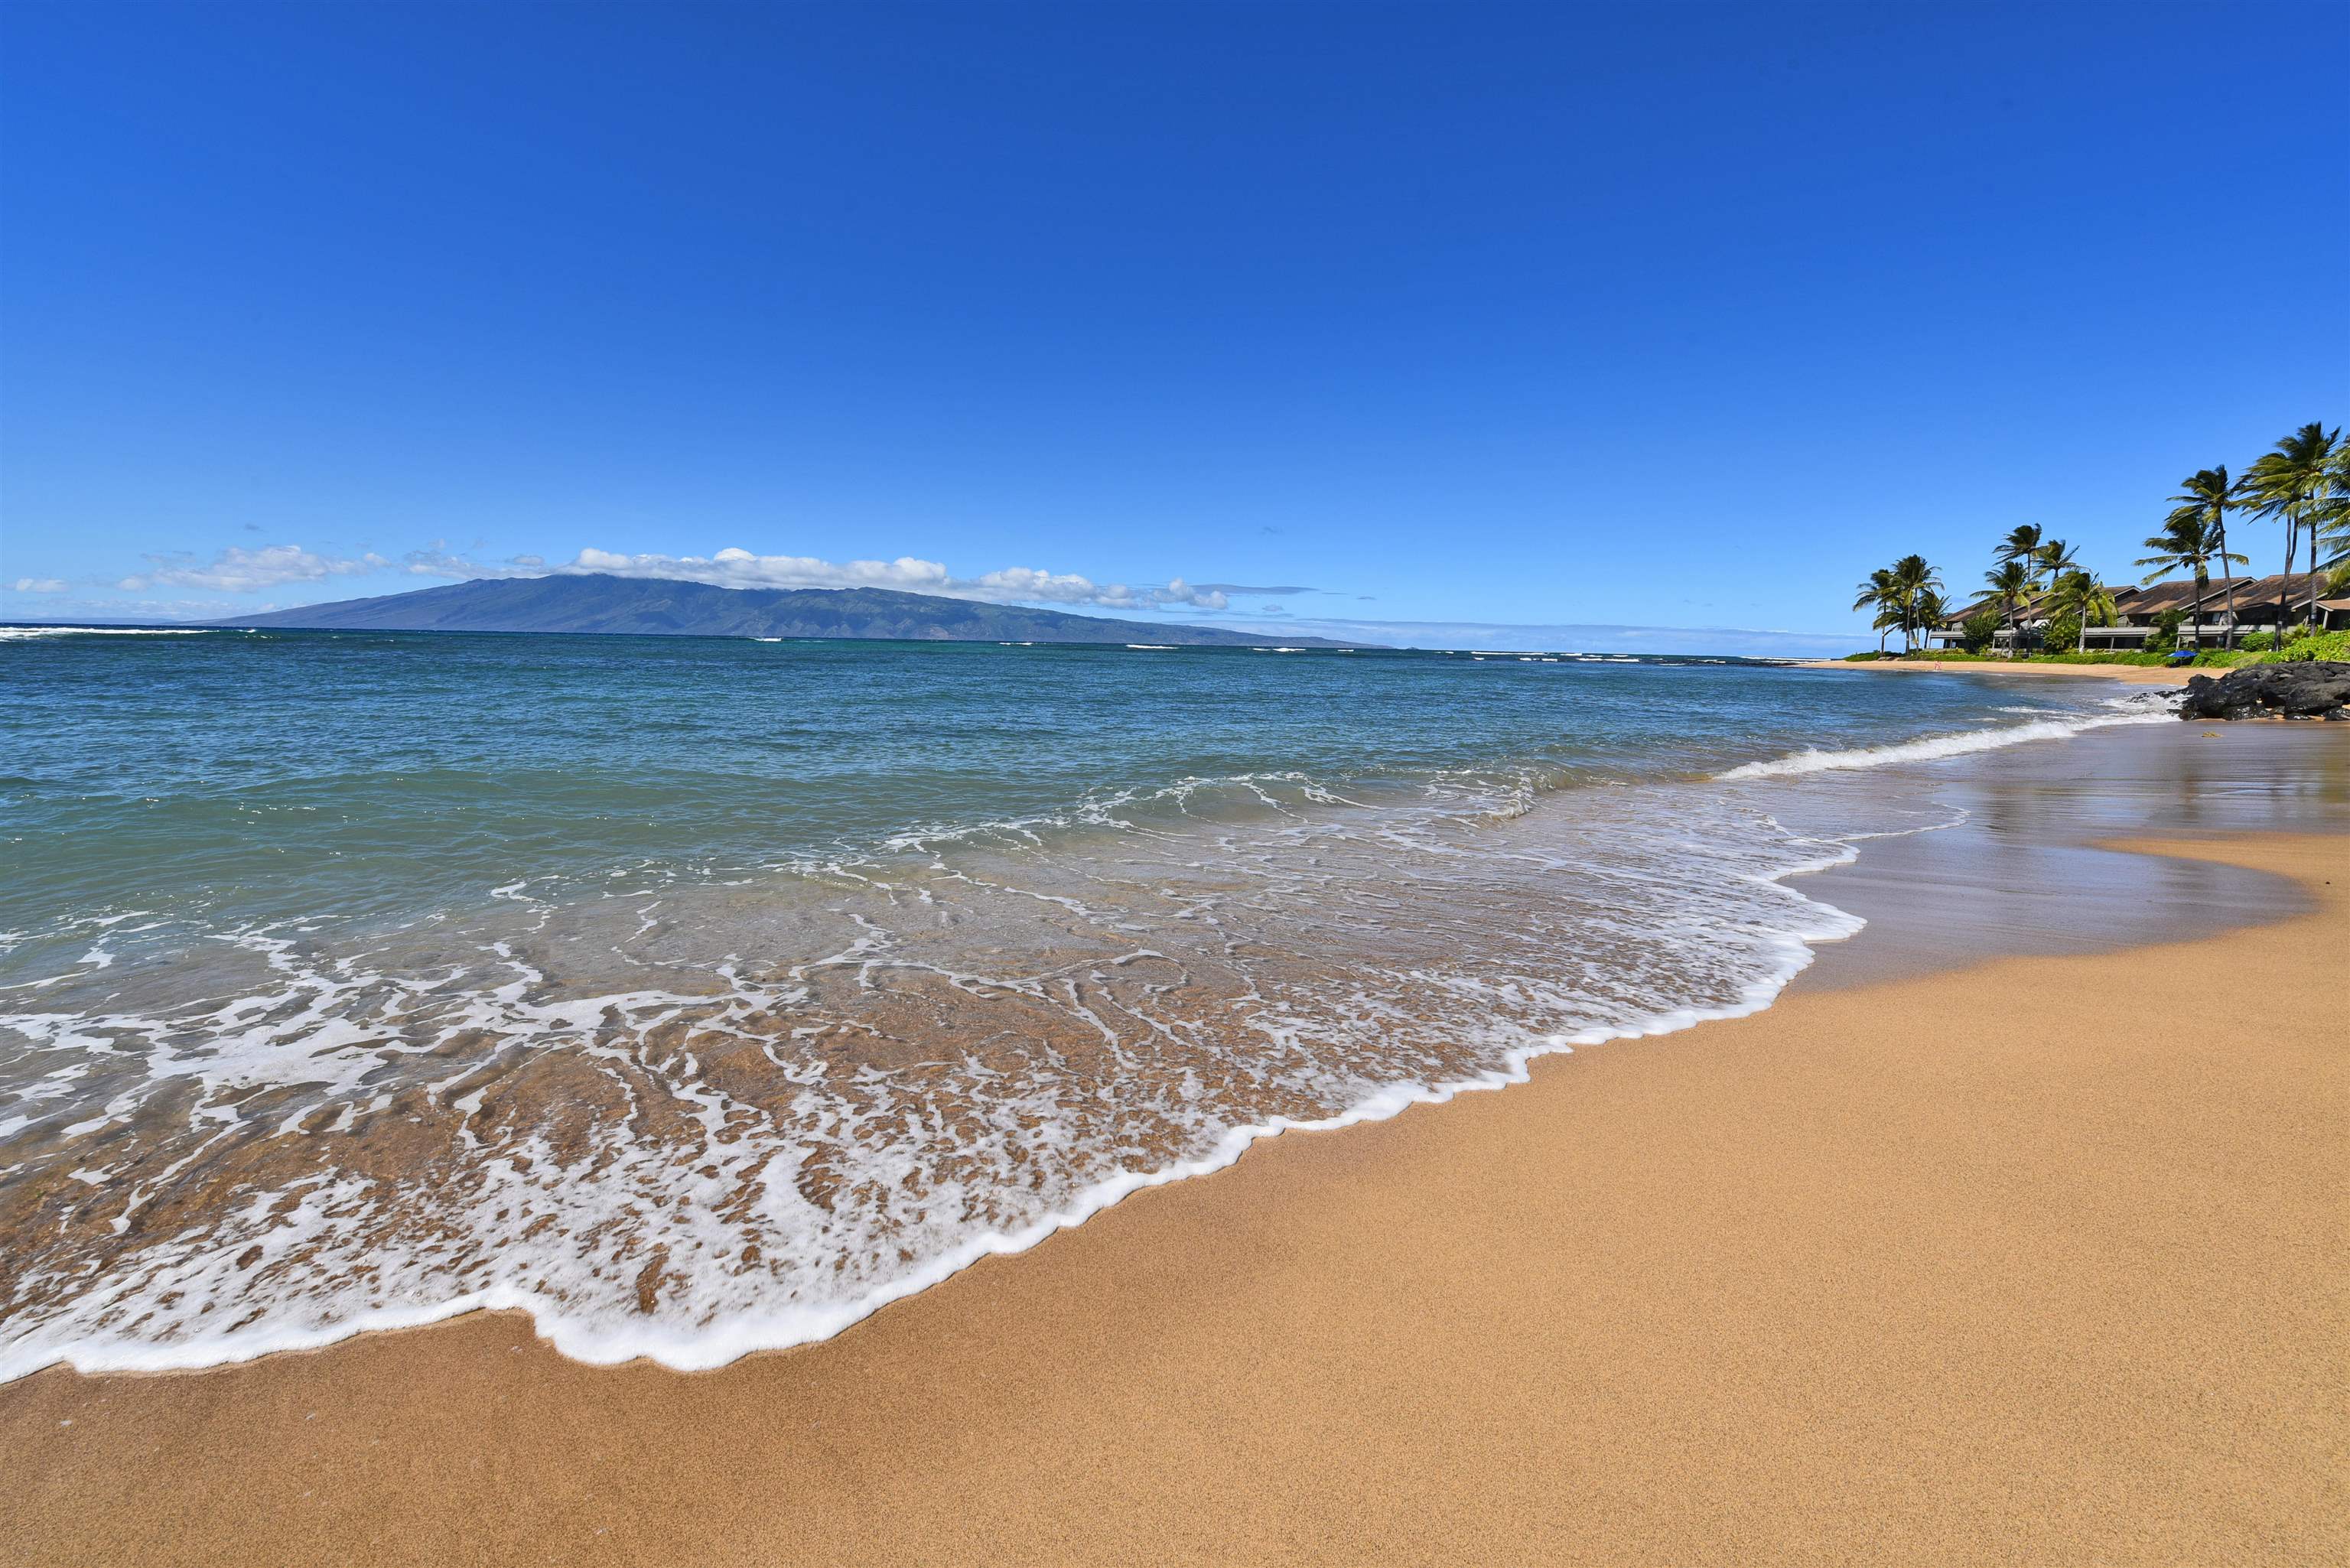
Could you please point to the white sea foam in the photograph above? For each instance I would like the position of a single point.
(612, 1339)
(982, 1035)
(25, 633)
(1488, 965)
(1933, 748)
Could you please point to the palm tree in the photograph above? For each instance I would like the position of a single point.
(2055, 558)
(2022, 541)
(1932, 609)
(1877, 590)
(1913, 579)
(2208, 494)
(2333, 510)
(2088, 601)
(1889, 620)
(2188, 540)
(2334, 525)
(2289, 481)
(2009, 582)
(2020, 549)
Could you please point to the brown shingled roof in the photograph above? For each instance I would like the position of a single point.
(2178, 593)
(2153, 598)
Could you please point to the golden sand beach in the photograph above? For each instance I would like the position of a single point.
(1061, 785)
(2127, 674)
(2042, 1260)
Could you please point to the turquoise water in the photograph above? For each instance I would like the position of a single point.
(247, 775)
(699, 995)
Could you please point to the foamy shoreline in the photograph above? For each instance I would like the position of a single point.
(1799, 924)
(1790, 1262)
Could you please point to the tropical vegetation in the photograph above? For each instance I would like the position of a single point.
(2200, 511)
(2079, 599)
(2301, 481)
(1907, 596)
(2302, 484)
(2191, 542)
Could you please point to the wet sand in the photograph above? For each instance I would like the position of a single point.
(2043, 1259)
(2023, 874)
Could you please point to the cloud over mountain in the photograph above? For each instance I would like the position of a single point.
(739, 569)
(238, 570)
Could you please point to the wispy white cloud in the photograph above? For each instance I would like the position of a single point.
(1205, 596)
(236, 570)
(435, 561)
(38, 586)
(739, 569)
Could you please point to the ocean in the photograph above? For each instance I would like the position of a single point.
(699, 996)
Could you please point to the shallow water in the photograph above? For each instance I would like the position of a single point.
(701, 996)
(2025, 872)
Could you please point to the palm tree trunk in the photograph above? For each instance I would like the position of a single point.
(2202, 583)
(2313, 572)
(2229, 637)
(2284, 588)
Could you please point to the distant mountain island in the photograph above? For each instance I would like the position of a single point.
(649, 607)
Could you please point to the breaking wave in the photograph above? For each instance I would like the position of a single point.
(1933, 748)
(27, 633)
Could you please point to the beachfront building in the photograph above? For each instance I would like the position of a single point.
(2261, 604)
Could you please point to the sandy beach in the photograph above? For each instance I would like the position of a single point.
(932, 786)
(2043, 1260)
(2127, 674)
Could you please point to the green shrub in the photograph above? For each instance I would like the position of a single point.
(2326, 645)
(2165, 631)
(2256, 642)
(2143, 660)
(2062, 636)
(1976, 631)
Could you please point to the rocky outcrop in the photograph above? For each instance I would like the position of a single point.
(2298, 690)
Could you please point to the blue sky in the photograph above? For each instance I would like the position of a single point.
(1667, 317)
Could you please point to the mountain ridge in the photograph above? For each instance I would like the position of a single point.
(601, 604)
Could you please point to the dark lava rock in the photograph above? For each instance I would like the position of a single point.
(2303, 689)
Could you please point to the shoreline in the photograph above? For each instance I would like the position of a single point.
(217, 1310)
(1648, 1304)
(2128, 674)
(1820, 934)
